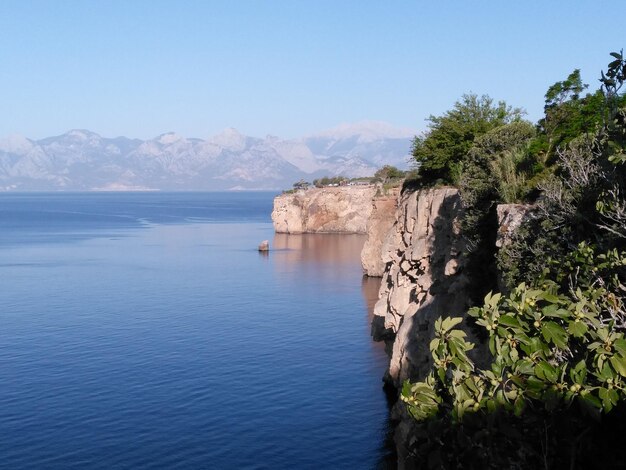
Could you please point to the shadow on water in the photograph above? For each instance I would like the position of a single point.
(327, 254)
(388, 459)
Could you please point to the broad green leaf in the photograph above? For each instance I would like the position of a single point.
(619, 364)
(475, 311)
(525, 367)
(500, 400)
(472, 386)
(577, 329)
(521, 337)
(555, 334)
(450, 323)
(553, 299)
(605, 373)
(517, 381)
(608, 399)
(595, 345)
(492, 300)
(490, 375)
(620, 346)
(579, 373)
(509, 320)
(457, 334)
(543, 370)
(406, 389)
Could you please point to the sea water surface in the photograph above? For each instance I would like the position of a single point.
(145, 330)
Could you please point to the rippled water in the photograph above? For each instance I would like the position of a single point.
(146, 331)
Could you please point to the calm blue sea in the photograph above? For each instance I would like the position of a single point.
(145, 330)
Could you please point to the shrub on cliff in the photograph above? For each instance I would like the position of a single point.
(583, 196)
(559, 366)
(440, 152)
(388, 173)
(328, 181)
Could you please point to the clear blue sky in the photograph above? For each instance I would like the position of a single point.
(284, 67)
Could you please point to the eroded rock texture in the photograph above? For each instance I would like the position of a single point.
(381, 221)
(423, 279)
(318, 210)
(510, 217)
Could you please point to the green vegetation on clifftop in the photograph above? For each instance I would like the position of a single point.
(554, 394)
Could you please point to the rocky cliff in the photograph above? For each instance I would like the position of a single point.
(380, 222)
(424, 276)
(423, 279)
(344, 209)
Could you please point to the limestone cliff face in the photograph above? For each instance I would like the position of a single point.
(424, 259)
(344, 209)
(381, 221)
(423, 279)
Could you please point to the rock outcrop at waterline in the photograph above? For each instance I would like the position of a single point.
(344, 209)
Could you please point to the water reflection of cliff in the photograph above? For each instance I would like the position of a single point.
(329, 259)
(319, 248)
(330, 262)
(333, 260)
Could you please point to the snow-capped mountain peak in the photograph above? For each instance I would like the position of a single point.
(169, 138)
(230, 138)
(83, 160)
(367, 131)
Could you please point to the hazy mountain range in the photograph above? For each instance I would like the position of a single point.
(81, 160)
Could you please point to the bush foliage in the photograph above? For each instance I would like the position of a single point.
(554, 392)
(440, 152)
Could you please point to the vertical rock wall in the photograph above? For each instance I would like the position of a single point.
(424, 258)
(423, 255)
(380, 222)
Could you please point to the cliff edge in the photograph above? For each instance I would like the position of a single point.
(344, 209)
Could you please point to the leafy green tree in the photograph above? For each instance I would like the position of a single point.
(613, 81)
(557, 335)
(568, 114)
(388, 173)
(302, 184)
(326, 181)
(490, 174)
(583, 197)
(441, 150)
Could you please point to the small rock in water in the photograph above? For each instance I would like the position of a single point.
(264, 246)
